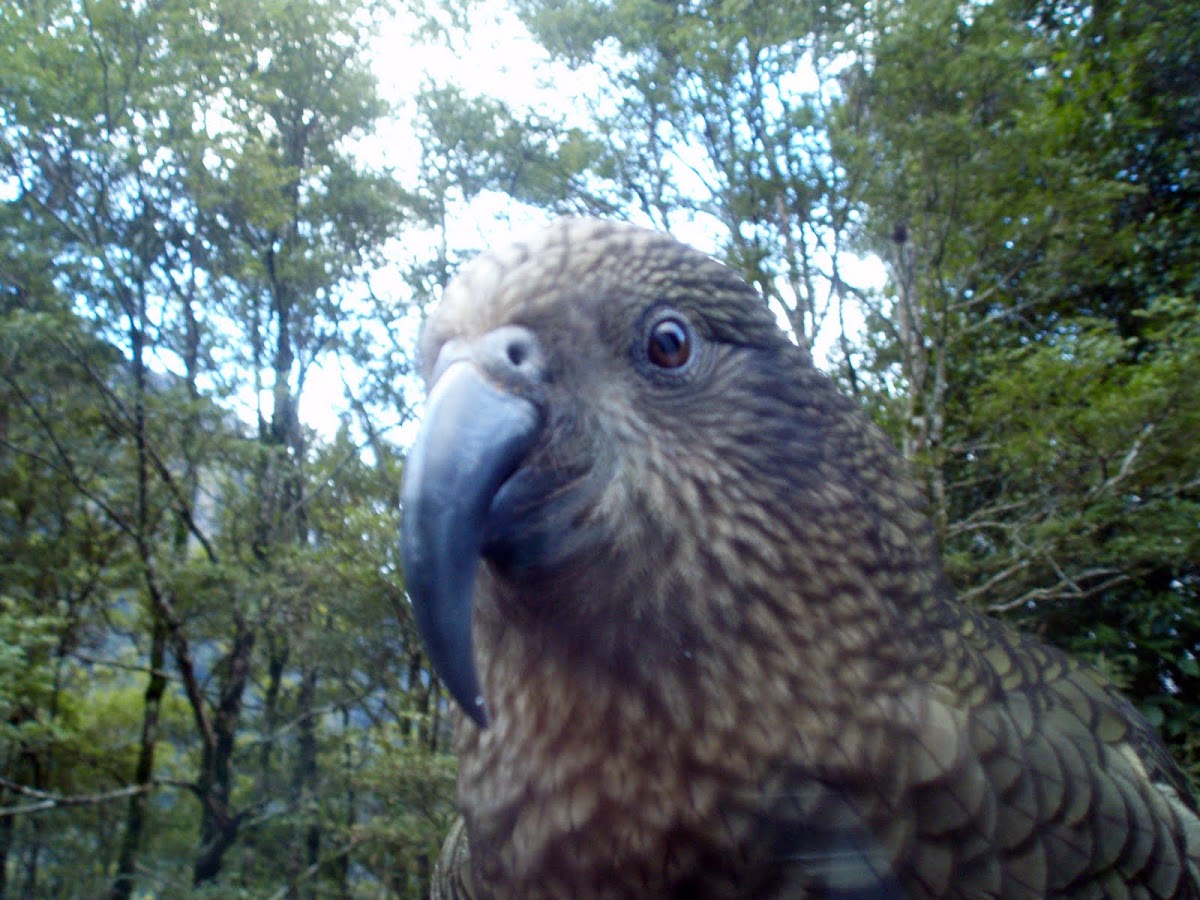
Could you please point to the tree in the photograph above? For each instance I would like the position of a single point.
(711, 112)
(185, 172)
(1029, 359)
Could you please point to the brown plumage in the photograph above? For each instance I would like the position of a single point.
(691, 605)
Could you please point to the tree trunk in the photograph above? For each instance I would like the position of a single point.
(219, 825)
(6, 841)
(135, 816)
(305, 775)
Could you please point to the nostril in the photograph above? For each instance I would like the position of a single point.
(510, 352)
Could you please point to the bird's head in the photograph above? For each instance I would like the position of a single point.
(623, 448)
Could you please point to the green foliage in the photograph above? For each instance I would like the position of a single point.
(204, 622)
(1026, 178)
(478, 144)
(1098, 546)
(27, 677)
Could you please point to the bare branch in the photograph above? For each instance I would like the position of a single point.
(1126, 463)
(1066, 587)
(1003, 575)
(45, 801)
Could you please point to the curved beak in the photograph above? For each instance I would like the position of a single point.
(474, 436)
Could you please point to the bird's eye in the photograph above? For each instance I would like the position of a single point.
(669, 344)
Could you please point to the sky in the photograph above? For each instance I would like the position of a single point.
(498, 59)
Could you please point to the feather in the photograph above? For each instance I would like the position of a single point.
(689, 601)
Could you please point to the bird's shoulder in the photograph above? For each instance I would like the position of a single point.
(1030, 774)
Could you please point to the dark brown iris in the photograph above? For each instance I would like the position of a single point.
(669, 345)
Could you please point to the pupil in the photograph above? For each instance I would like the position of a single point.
(669, 340)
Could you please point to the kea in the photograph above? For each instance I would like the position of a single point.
(691, 606)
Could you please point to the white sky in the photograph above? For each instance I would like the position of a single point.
(498, 59)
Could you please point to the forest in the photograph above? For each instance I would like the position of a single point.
(219, 232)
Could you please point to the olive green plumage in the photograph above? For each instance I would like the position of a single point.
(689, 599)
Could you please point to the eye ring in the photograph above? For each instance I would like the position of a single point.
(669, 342)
